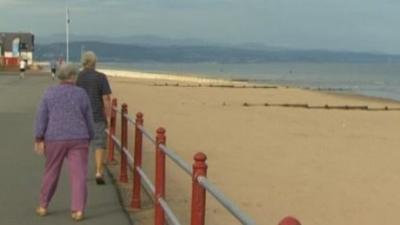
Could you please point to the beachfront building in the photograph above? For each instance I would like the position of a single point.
(15, 47)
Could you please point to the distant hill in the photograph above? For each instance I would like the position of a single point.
(170, 53)
(141, 40)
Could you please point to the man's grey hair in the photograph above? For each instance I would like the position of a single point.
(67, 72)
(89, 59)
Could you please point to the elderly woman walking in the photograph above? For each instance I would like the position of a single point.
(64, 127)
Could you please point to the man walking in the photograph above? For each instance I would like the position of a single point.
(53, 66)
(98, 89)
(22, 68)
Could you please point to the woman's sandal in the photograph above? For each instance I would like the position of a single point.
(41, 211)
(77, 216)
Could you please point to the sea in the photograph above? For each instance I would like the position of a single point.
(370, 79)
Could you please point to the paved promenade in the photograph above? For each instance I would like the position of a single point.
(21, 169)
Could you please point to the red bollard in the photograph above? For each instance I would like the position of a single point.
(198, 192)
(289, 220)
(135, 203)
(112, 128)
(123, 175)
(159, 217)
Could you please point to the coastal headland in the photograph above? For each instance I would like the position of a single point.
(324, 166)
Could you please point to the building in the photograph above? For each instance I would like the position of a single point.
(15, 47)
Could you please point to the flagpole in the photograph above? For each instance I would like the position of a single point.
(67, 34)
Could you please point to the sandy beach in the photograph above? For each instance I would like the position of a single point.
(323, 166)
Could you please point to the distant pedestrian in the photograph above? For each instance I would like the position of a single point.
(60, 61)
(64, 127)
(22, 68)
(53, 66)
(99, 91)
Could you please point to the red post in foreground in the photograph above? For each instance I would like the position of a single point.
(123, 175)
(159, 217)
(198, 192)
(112, 127)
(135, 203)
(289, 220)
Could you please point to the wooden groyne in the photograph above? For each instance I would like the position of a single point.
(212, 85)
(326, 106)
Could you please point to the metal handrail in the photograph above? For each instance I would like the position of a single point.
(147, 134)
(228, 204)
(116, 110)
(116, 141)
(168, 211)
(146, 180)
(170, 153)
(129, 119)
(178, 161)
(203, 181)
(141, 128)
(119, 147)
(128, 154)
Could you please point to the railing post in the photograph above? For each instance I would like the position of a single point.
(112, 129)
(160, 177)
(135, 203)
(123, 175)
(289, 220)
(198, 192)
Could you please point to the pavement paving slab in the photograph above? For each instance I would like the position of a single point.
(21, 169)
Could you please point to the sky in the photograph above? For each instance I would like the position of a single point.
(354, 25)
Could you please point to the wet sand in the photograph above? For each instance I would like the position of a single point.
(322, 166)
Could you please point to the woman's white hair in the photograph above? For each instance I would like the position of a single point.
(67, 72)
(89, 59)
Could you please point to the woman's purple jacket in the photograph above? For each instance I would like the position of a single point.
(64, 114)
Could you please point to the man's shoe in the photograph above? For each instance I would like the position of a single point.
(100, 180)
